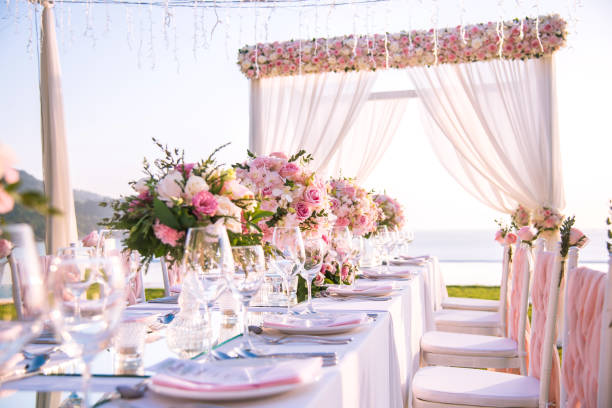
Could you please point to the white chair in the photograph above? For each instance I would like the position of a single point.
(479, 351)
(452, 386)
(587, 337)
(171, 276)
(483, 305)
(474, 321)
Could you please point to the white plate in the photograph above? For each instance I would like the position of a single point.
(382, 274)
(232, 395)
(371, 292)
(318, 330)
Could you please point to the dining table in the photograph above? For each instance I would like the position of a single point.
(373, 369)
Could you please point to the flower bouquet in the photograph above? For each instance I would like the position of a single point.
(354, 207)
(521, 217)
(175, 196)
(547, 221)
(392, 211)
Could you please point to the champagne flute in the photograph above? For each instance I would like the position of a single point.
(244, 280)
(341, 242)
(29, 294)
(290, 255)
(208, 254)
(314, 250)
(87, 303)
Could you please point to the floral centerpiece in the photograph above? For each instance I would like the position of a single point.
(392, 211)
(547, 221)
(291, 194)
(175, 196)
(354, 206)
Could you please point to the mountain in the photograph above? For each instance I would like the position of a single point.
(88, 212)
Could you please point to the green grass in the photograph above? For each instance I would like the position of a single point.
(478, 292)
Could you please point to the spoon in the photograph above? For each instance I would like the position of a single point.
(29, 355)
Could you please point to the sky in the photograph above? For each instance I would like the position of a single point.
(124, 84)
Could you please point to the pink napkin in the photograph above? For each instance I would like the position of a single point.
(283, 322)
(219, 377)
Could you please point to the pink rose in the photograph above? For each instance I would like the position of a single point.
(6, 202)
(342, 222)
(91, 239)
(312, 195)
(289, 170)
(186, 168)
(319, 280)
(550, 222)
(511, 238)
(499, 237)
(577, 238)
(527, 233)
(362, 220)
(344, 272)
(11, 176)
(279, 155)
(167, 235)
(334, 203)
(204, 203)
(5, 248)
(303, 210)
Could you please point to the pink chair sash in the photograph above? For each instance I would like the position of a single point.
(134, 286)
(520, 272)
(45, 263)
(174, 274)
(545, 261)
(585, 302)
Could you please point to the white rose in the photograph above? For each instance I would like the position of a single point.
(194, 185)
(233, 225)
(168, 187)
(141, 185)
(227, 208)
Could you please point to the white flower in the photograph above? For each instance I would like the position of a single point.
(7, 159)
(194, 185)
(229, 209)
(168, 187)
(141, 185)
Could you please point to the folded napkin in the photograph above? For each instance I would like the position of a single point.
(224, 376)
(335, 320)
(392, 273)
(409, 260)
(371, 290)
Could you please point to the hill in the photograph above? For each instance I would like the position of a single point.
(88, 212)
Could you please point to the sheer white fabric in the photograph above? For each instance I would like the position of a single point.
(493, 126)
(369, 138)
(312, 112)
(61, 229)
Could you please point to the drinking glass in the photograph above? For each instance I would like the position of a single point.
(29, 294)
(314, 250)
(244, 280)
(112, 243)
(208, 254)
(87, 298)
(357, 250)
(341, 242)
(74, 251)
(289, 255)
(380, 240)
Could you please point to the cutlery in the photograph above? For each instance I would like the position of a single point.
(345, 298)
(165, 300)
(304, 339)
(30, 356)
(329, 359)
(30, 369)
(124, 392)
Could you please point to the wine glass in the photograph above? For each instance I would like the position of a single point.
(289, 257)
(87, 298)
(29, 294)
(357, 250)
(112, 243)
(208, 254)
(380, 239)
(245, 279)
(314, 250)
(341, 242)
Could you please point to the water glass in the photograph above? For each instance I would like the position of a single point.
(129, 345)
(340, 245)
(315, 250)
(289, 256)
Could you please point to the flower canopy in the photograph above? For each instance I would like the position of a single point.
(515, 39)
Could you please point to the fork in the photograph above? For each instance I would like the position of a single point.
(304, 338)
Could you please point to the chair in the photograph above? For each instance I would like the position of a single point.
(453, 386)
(586, 373)
(14, 265)
(171, 276)
(483, 305)
(479, 351)
(475, 321)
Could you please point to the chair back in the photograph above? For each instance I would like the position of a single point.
(171, 275)
(503, 289)
(587, 336)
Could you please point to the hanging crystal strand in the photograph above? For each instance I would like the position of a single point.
(519, 5)
(500, 28)
(267, 23)
(88, 24)
(462, 26)
(130, 27)
(62, 14)
(537, 27)
(327, 27)
(316, 31)
(434, 21)
(29, 48)
(166, 24)
(107, 19)
(572, 11)
(355, 17)
(151, 46)
(240, 24)
(386, 29)
(195, 29)
(175, 51)
(256, 13)
(300, 42)
(408, 3)
(369, 37)
(227, 35)
(203, 30)
(217, 20)
(16, 17)
(70, 30)
(140, 40)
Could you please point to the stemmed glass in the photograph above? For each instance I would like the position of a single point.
(380, 240)
(289, 257)
(244, 280)
(357, 250)
(87, 298)
(208, 254)
(341, 242)
(314, 250)
(29, 289)
(112, 243)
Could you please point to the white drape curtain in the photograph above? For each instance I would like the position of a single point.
(61, 229)
(493, 126)
(369, 138)
(312, 112)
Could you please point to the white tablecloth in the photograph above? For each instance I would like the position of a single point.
(374, 370)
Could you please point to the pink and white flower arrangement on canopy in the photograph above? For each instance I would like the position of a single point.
(175, 196)
(289, 192)
(521, 217)
(354, 206)
(547, 219)
(516, 39)
(392, 211)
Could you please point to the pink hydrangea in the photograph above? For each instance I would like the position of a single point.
(167, 235)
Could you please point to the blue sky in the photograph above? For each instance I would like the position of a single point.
(115, 101)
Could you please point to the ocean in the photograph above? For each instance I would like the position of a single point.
(466, 257)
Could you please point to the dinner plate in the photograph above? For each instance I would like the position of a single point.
(234, 395)
(382, 274)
